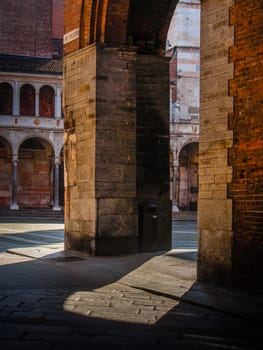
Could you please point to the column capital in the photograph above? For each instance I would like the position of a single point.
(57, 161)
(58, 114)
(15, 158)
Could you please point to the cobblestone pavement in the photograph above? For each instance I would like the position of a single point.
(144, 301)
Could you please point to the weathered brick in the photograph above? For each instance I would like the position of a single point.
(246, 156)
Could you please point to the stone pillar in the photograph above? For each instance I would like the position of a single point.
(100, 150)
(37, 103)
(214, 206)
(14, 205)
(174, 189)
(153, 152)
(16, 99)
(58, 103)
(56, 206)
(116, 151)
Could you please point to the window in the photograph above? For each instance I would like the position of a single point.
(6, 99)
(46, 101)
(27, 100)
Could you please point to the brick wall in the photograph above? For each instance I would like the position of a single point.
(94, 21)
(34, 182)
(30, 20)
(116, 27)
(117, 21)
(72, 24)
(58, 19)
(148, 23)
(246, 156)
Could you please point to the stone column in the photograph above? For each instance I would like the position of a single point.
(56, 206)
(174, 190)
(58, 103)
(14, 205)
(16, 99)
(37, 103)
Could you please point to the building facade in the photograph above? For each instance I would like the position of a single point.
(183, 47)
(31, 121)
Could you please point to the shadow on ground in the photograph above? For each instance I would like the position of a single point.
(47, 304)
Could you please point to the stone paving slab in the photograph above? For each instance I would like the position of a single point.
(130, 318)
(53, 300)
(177, 281)
(165, 274)
(39, 252)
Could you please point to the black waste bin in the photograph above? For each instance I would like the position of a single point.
(148, 227)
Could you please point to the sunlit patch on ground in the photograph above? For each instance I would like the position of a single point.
(124, 304)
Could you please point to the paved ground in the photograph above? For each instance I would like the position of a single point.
(29, 234)
(50, 300)
(184, 235)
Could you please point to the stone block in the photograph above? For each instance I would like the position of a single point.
(116, 206)
(215, 256)
(117, 225)
(215, 214)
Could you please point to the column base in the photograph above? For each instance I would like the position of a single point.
(175, 208)
(56, 208)
(14, 206)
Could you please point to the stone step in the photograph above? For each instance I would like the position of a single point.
(28, 213)
(185, 215)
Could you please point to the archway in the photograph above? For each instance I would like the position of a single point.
(187, 179)
(5, 173)
(27, 100)
(35, 174)
(6, 99)
(46, 101)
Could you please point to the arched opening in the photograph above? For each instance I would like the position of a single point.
(6, 99)
(148, 22)
(35, 174)
(183, 50)
(27, 100)
(5, 173)
(46, 101)
(187, 179)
